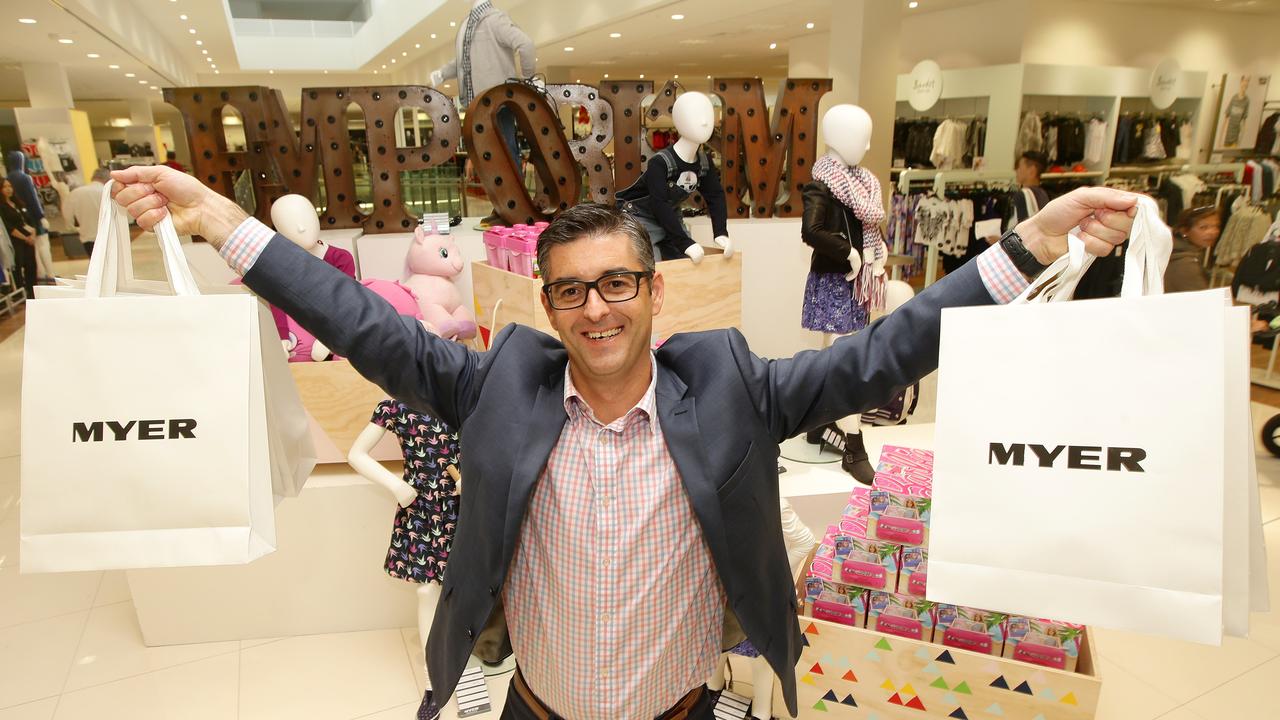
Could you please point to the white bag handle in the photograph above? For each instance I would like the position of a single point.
(112, 252)
(1145, 261)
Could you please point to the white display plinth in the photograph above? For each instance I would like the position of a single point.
(325, 577)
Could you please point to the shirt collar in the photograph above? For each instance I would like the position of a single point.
(577, 407)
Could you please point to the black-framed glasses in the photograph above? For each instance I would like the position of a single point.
(613, 287)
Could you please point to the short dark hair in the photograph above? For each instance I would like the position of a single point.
(1191, 216)
(1037, 159)
(171, 155)
(588, 220)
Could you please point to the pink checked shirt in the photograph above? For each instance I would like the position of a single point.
(612, 602)
(611, 578)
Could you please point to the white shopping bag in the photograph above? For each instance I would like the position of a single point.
(1090, 454)
(144, 422)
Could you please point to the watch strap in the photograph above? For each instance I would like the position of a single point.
(1021, 257)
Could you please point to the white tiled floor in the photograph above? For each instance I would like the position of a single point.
(70, 648)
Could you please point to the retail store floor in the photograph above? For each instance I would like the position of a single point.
(71, 649)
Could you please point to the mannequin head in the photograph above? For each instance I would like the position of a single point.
(295, 218)
(896, 294)
(695, 117)
(846, 129)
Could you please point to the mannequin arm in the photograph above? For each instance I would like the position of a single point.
(319, 353)
(712, 190)
(814, 230)
(448, 71)
(515, 39)
(372, 470)
(655, 180)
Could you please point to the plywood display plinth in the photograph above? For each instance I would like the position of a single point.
(698, 297)
(340, 404)
(848, 672)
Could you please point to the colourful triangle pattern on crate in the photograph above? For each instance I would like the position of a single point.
(808, 680)
(915, 703)
(946, 657)
(1024, 688)
(812, 629)
(1000, 683)
(820, 706)
(908, 690)
(895, 700)
(816, 669)
(888, 685)
(951, 699)
(924, 654)
(1069, 698)
(804, 641)
(1048, 694)
(995, 709)
(884, 645)
(958, 714)
(831, 695)
(848, 700)
(873, 656)
(940, 683)
(933, 669)
(963, 688)
(850, 676)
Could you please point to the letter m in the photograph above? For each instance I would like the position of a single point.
(999, 454)
(92, 432)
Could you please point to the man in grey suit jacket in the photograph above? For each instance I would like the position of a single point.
(549, 427)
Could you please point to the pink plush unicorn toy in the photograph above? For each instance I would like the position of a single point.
(431, 264)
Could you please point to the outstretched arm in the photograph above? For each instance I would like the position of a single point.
(393, 351)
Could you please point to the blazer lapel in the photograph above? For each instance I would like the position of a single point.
(679, 420)
(546, 421)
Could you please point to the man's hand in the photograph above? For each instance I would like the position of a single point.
(1103, 215)
(149, 192)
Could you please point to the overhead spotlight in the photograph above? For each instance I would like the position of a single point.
(433, 36)
(182, 17)
(453, 24)
(913, 4)
(677, 16)
(191, 30)
(606, 76)
(404, 53)
(808, 26)
(199, 42)
(641, 76)
(773, 46)
(271, 72)
(417, 46)
(384, 67)
(204, 52)
(675, 77)
(326, 72)
(153, 87)
(215, 67)
(66, 41)
(568, 49)
(142, 82)
(217, 72)
(27, 21)
(93, 56)
(393, 61)
(615, 35)
(130, 75)
(114, 67)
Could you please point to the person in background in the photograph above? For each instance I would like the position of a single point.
(85, 202)
(16, 220)
(24, 189)
(171, 160)
(1030, 197)
(1196, 231)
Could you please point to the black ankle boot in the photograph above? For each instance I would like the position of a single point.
(814, 437)
(855, 459)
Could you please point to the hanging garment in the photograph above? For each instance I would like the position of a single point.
(1190, 186)
(1095, 141)
(859, 190)
(932, 221)
(975, 143)
(1246, 228)
(1259, 270)
(1184, 139)
(1029, 138)
(1169, 136)
(948, 144)
(1070, 140)
(1266, 142)
(1152, 144)
(1051, 143)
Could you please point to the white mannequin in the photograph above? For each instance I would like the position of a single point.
(695, 120)
(799, 540)
(295, 218)
(437, 75)
(361, 461)
(847, 131)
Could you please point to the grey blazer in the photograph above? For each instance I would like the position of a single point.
(723, 412)
(492, 52)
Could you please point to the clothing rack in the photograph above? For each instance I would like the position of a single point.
(1236, 169)
(959, 178)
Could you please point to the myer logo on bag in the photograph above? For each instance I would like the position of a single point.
(1077, 457)
(142, 430)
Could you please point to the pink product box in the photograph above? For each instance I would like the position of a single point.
(1043, 642)
(899, 510)
(871, 564)
(522, 253)
(859, 502)
(894, 458)
(913, 571)
(969, 629)
(495, 246)
(833, 602)
(901, 615)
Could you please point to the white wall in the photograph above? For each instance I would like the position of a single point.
(988, 33)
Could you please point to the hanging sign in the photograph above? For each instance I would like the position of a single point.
(926, 85)
(1164, 83)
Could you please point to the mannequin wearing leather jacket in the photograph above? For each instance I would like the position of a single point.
(830, 228)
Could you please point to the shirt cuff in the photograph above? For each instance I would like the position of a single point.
(1003, 279)
(245, 244)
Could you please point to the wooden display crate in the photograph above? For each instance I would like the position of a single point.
(848, 672)
(698, 297)
(340, 403)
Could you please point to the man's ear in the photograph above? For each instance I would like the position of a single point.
(551, 313)
(658, 289)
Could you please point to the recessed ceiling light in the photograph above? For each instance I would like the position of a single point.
(27, 21)
(375, 72)
(773, 46)
(271, 72)
(215, 67)
(153, 87)
(384, 67)
(615, 35)
(606, 76)
(182, 17)
(453, 24)
(326, 72)
(913, 4)
(568, 49)
(677, 16)
(217, 72)
(579, 80)
(675, 77)
(66, 41)
(393, 61)
(416, 46)
(130, 75)
(142, 82)
(204, 52)
(114, 67)
(708, 77)
(199, 42)
(94, 56)
(433, 36)
(808, 26)
(641, 76)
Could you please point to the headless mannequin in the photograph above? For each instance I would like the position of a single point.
(362, 462)
(437, 75)
(295, 218)
(799, 541)
(695, 120)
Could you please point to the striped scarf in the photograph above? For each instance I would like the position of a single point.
(858, 189)
(464, 77)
